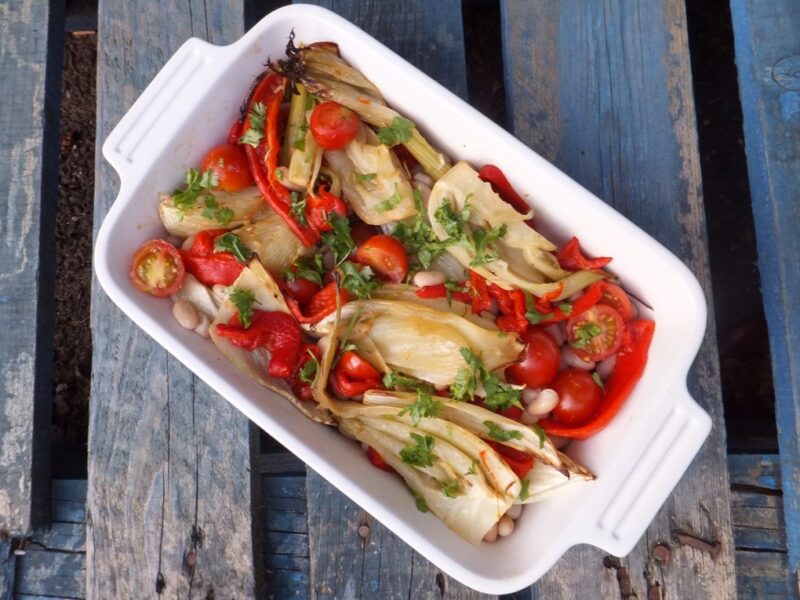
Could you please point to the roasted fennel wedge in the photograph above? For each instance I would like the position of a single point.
(186, 219)
(422, 341)
(257, 281)
(543, 481)
(461, 206)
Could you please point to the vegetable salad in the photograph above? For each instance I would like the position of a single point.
(336, 257)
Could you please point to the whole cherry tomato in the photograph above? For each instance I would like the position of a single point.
(579, 397)
(333, 125)
(229, 163)
(539, 361)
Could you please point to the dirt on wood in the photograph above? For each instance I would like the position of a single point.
(73, 341)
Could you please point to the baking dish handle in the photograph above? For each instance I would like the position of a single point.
(160, 110)
(622, 520)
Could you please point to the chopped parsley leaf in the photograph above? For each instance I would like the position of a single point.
(298, 210)
(397, 132)
(422, 506)
(501, 435)
(197, 184)
(306, 267)
(358, 281)
(472, 470)
(364, 177)
(212, 210)
(309, 370)
(483, 240)
(420, 453)
(256, 118)
(454, 223)
(339, 240)
(451, 489)
(393, 380)
(243, 300)
(451, 286)
(584, 334)
(389, 203)
(598, 381)
(230, 242)
(425, 406)
(533, 314)
(565, 307)
(497, 394)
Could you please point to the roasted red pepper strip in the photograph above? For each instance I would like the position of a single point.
(589, 298)
(631, 360)
(302, 389)
(518, 461)
(377, 460)
(480, 293)
(273, 330)
(211, 267)
(571, 258)
(440, 291)
(353, 376)
(500, 184)
(512, 306)
(320, 306)
(264, 158)
(319, 208)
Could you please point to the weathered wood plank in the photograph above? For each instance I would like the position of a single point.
(430, 35)
(603, 89)
(8, 567)
(762, 575)
(66, 537)
(755, 470)
(767, 43)
(169, 476)
(30, 68)
(52, 574)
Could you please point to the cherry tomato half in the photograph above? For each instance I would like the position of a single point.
(615, 297)
(229, 163)
(540, 360)
(385, 255)
(597, 333)
(579, 397)
(302, 289)
(157, 269)
(333, 125)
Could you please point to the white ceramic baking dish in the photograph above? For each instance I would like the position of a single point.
(638, 459)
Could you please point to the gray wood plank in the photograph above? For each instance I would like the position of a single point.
(8, 567)
(65, 537)
(762, 575)
(603, 90)
(429, 35)
(755, 470)
(767, 43)
(52, 574)
(169, 460)
(30, 67)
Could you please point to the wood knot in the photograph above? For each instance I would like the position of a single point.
(160, 583)
(786, 72)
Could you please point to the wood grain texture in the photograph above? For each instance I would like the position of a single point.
(169, 460)
(30, 65)
(767, 43)
(8, 569)
(603, 90)
(61, 574)
(344, 565)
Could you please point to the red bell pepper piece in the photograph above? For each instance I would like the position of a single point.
(273, 330)
(319, 208)
(571, 258)
(500, 184)
(353, 376)
(519, 462)
(512, 306)
(589, 298)
(378, 461)
(211, 267)
(480, 293)
(631, 361)
(263, 159)
(440, 291)
(302, 389)
(320, 306)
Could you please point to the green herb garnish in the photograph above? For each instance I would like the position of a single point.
(256, 117)
(472, 470)
(389, 203)
(197, 184)
(540, 433)
(524, 494)
(418, 238)
(230, 242)
(533, 314)
(455, 224)
(598, 381)
(243, 300)
(584, 334)
(425, 406)
(397, 132)
(306, 267)
(364, 177)
(451, 489)
(393, 380)
(358, 281)
(298, 210)
(422, 506)
(484, 240)
(565, 307)
(420, 453)
(497, 394)
(309, 370)
(501, 435)
(339, 241)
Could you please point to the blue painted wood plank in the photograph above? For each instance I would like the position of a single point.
(767, 43)
(67, 537)
(603, 90)
(283, 486)
(290, 522)
(755, 470)
(170, 472)
(52, 574)
(286, 584)
(280, 542)
(30, 68)
(762, 575)
(69, 489)
(8, 569)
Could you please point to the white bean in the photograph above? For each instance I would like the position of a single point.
(556, 333)
(430, 277)
(529, 395)
(605, 367)
(528, 419)
(186, 314)
(505, 527)
(573, 360)
(491, 535)
(515, 511)
(424, 179)
(544, 403)
(202, 328)
(188, 242)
